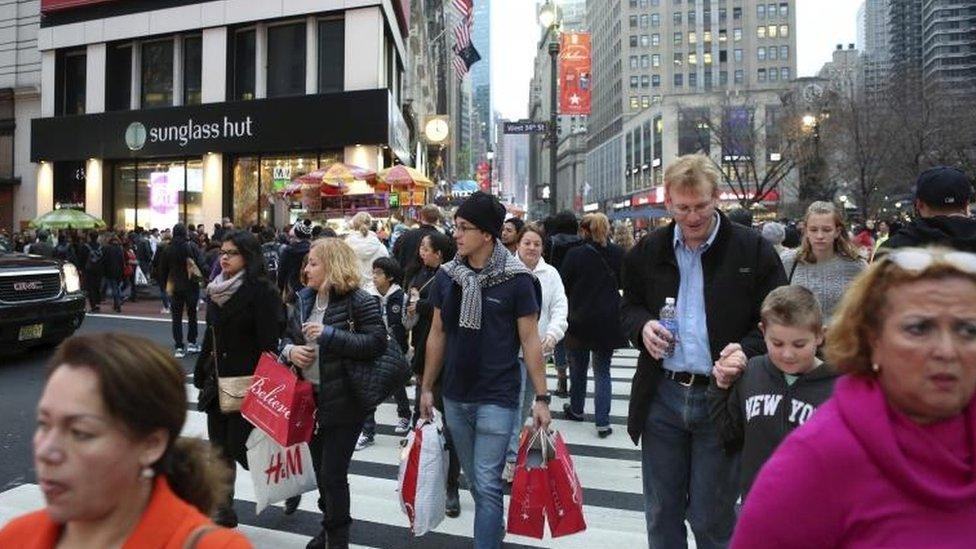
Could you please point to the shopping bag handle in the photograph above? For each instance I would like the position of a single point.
(542, 435)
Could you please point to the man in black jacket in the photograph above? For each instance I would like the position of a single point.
(184, 290)
(290, 265)
(942, 197)
(406, 246)
(719, 273)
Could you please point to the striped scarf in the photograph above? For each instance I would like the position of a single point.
(502, 266)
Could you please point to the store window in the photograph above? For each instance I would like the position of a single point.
(259, 180)
(244, 69)
(192, 70)
(71, 71)
(157, 194)
(286, 59)
(118, 80)
(69, 185)
(157, 74)
(332, 38)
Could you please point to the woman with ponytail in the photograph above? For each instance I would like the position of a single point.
(367, 246)
(108, 458)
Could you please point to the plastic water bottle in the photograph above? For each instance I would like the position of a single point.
(669, 319)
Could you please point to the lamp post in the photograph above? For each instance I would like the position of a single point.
(490, 155)
(549, 18)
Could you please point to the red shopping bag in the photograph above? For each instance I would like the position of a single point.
(565, 505)
(279, 403)
(530, 491)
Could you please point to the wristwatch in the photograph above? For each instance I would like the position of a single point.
(547, 398)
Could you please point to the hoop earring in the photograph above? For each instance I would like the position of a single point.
(875, 367)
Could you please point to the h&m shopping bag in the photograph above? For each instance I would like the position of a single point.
(278, 472)
(280, 403)
(422, 478)
(530, 486)
(565, 507)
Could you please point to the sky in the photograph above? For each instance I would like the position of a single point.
(515, 33)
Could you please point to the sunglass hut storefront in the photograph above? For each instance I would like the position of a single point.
(197, 164)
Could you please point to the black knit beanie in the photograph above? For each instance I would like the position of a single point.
(483, 211)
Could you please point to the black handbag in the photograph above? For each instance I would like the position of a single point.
(374, 381)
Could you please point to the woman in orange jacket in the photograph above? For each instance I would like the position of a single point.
(108, 460)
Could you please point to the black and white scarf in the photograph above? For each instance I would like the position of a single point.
(502, 266)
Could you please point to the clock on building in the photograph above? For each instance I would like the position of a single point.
(812, 93)
(437, 129)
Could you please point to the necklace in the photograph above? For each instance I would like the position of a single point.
(320, 308)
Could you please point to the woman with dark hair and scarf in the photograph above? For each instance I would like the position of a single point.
(245, 317)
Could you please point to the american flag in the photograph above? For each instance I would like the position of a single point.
(465, 53)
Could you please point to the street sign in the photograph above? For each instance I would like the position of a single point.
(526, 126)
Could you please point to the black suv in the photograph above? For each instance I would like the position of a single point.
(41, 301)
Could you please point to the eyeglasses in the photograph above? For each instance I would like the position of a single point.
(228, 253)
(700, 209)
(918, 260)
(464, 228)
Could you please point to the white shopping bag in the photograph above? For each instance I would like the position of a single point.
(141, 279)
(422, 478)
(278, 473)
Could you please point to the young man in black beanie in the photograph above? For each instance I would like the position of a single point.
(510, 233)
(486, 306)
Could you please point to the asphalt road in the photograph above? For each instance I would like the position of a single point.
(21, 382)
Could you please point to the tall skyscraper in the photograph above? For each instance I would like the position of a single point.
(873, 36)
(949, 46)
(481, 81)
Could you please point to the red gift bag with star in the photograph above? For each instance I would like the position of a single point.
(530, 488)
(564, 508)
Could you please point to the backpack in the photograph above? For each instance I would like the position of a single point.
(271, 258)
(94, 257)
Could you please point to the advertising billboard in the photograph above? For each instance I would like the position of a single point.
(575, 77)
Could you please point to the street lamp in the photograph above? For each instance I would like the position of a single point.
(490, 155)
(549, 18)
(809, 121)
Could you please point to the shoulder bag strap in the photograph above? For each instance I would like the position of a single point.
(605, 264)
(213, 353)
(796, 260)
(197, 534)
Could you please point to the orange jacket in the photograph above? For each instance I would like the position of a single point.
(165, 524)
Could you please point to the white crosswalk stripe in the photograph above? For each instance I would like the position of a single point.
(609, 470)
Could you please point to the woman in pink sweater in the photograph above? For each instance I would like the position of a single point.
(890, 460)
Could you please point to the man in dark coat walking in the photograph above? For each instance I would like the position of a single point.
(184, 290)
(114, 260)
(718, 272)
(406, 246)
(942, 197)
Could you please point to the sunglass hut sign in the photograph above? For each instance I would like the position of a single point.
(137, 134)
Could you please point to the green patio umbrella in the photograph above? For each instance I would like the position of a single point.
(67, 219)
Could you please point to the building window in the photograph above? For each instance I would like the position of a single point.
(118, 78)
(739, 76)
(643, 21)
(708, 80)
(655, 40)
(645, 101)
(692, 58)
(633, 62)
(679, 80)
(655, 20)
(656, 60)
(633, 40)
(784, 31)
(723, 36)
(677, 38)
(332, 48)
(736, 35)
(736, 14)
(157, 74)
(644, 41)
(656, 80)
(784, 10)
(772, 52)
(692, 18)
(677, 18)
(784, 53)
(157, 194)
(723, 14)
(244, 69)
(634, 82)
(761, 11)
(645, 81)
(707, 36)
(772, 31)
(634, 103)
(693, 80)
(773, 74)
(633, 21)
(692, 37)
(761, 75)
(784, 73)
(192, 70)
(71, 70)
(761, 54)
(723, 78)
(645, 62)
(286, 59)
(678, 59)
(737, 55)
(723, 56)
(707, 58)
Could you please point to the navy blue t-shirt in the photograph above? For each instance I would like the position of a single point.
(481, 366)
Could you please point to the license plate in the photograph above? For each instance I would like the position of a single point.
(32, 331)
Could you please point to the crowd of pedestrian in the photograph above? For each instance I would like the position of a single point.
(798, 384)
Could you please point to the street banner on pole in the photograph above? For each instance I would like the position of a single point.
(575, 78)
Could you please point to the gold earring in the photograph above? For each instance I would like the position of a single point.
(875, 367)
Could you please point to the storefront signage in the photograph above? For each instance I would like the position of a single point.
(302, 123)
(48, 6)
(281, 176)
(574, 73)
(592, 207)
(621, 205)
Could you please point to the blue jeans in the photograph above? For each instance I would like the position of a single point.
(527, 394)
(579, 362)
(686, 471)
(481, 433)
(115, 286)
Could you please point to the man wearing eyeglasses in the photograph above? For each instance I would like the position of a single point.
(719, 272)
(942, 197)
(486, 306)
